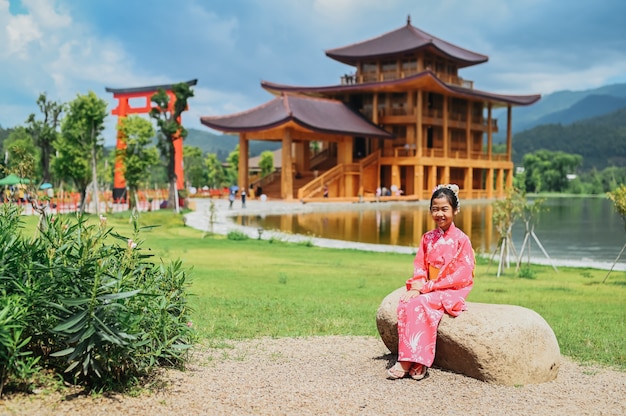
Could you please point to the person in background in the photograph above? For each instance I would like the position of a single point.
(243, 199)
(231, 199)
(443, 275)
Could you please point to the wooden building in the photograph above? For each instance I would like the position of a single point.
(403, 119)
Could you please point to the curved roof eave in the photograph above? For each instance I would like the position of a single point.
(324, 116)
(403, 82)
(406, 39)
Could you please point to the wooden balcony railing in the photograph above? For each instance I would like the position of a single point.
(404, 151)
(391, 75)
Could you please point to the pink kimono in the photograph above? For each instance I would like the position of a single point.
(450, 254)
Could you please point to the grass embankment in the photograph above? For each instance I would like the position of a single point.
(254, 288)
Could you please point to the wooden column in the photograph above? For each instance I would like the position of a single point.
(446, 138)
(344, 156)
(418, 181)
(500, 183)
(242, 174)
(375, 109)
(468, 130)
(509, 179)
(489, 132)
(419, 124)
(303, 158)
(432, 177)
(286, 172)
(468, 183)
(395, 176)
(446, 174)
(489, 183)
(509, 135)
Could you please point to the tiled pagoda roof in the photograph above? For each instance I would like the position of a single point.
(315, 114)
(406, 39)
(422, 79)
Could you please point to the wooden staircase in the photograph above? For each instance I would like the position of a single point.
(272, 189)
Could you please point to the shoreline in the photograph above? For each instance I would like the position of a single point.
(223, 224)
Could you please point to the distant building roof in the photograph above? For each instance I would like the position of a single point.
(315, 114)
(425, 78)
(404, 40)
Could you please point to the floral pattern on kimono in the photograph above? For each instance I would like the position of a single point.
(418, 318)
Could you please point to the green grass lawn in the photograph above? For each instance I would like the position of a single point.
(253, 288)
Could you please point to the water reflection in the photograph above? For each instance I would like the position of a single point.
(582, 229)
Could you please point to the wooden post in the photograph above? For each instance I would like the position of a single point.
(500, 183)
(242, 177)
(468, 184)
(419, 125)
(446, 138)
(509, 136)
(344, 156)
(468, 130)
(286, 172)
(432, 177)
(489, 183)
(489, 132)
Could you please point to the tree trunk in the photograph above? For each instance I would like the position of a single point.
(83, 198)
(94, 174)
(172, 198)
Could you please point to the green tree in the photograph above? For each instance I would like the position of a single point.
(81, 143)
(547, 171)
(232, 172)
(21, 153)
(167, 117)
(137, 156)
(266, 163)
(45, 132)
(215, 171)
(195, 168)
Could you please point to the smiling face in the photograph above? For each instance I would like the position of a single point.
(442, 212)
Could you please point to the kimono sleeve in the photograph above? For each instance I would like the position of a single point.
(419, 266)
(458, 273)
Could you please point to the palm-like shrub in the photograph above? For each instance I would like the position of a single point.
(97, 308)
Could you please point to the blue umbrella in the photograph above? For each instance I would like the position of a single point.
(234, 188)
(45, 185)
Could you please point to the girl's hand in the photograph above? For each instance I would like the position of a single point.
(409, 294)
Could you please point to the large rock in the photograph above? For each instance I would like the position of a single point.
(502, 344)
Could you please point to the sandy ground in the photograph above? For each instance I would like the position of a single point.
(334, 376)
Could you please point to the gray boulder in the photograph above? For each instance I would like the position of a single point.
(501, 344)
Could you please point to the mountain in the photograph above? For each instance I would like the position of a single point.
(563, 107)
(601, 141)
(222, 145)
(591, 106)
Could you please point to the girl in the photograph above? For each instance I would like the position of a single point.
(442, 278)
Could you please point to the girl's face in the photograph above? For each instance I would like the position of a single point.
(442, 212)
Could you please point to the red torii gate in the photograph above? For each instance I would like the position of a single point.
(123, 109)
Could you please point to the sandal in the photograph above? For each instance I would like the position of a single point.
(418, 371)
(397, 372)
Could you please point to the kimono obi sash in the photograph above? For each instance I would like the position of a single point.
(433, 272)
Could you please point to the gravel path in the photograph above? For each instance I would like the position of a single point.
(328, 375)
(336, 376)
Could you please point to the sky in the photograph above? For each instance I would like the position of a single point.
(70, 47)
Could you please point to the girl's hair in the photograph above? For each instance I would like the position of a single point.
(450, 192)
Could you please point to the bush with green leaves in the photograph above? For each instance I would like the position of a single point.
(93, 304)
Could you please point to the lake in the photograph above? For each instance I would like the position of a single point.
(573, 230)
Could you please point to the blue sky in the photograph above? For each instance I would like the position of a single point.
(69, 47)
